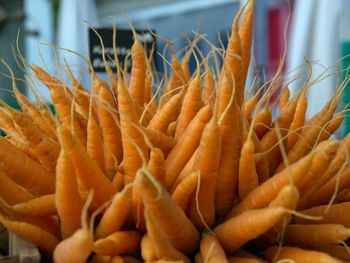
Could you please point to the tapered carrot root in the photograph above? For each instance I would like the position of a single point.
(299, 255)
(45, 241)
(211, 250)
(24, 170)
(266, 192)
(247, 226)
(315, 235)
(170, 218)
(121, 242)
(164, 250)
(40, 206)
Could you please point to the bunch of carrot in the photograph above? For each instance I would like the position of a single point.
(204, 174)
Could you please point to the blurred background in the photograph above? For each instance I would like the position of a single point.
(318, 33)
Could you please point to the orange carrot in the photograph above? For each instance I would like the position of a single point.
(246, 36)
(11, 192)
(88, 174)
(128, 118)
(121, 242)
(163, 247)
(166, 114)
(160, 140)
(112, 144)
(185, 190)
(338, 251)
(202, 208)
(40, 206)
(247, 226)
(78, 246)
(262, 121)
(284, 98)
(168, 216)
(211, 250)
(138, 72)
(333, 214)
(262, 195)
(247, 176)
(147, 249)
(94, 142)
(115, 215)
(45, 241)
(186, 145)
(229, 159)
(315, 235)
(191, 104)
(25, 171)
(67, 189)
(298, 121)
(298, 255)
(209, 91)
(323, 156)
(45, 149)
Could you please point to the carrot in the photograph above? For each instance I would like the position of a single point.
(262, 195)
(45, 149)
(237, 259)
(156, 165)
(34, 113)
(247, 176)
(115, 215)
(333, 214)
(211, 250)
(121, 242)
(61, 98)
(138, 72)
(88, 174)
(202, 207)
(315, 235)
(249, 105)
(118, 180)
(229, 159)
(233, 59)
(246, 257)
(262, 121)
(324, 194)
(323, 156)
(40, 206)
(172, 129)
(11, 192)
(298, 255)
(209, 88)
(191, 104)
(284, 97)
(227, 89)
(338, 251)
(166, 114)
(246, 35)
(163, 247)
(168, 216)
(128, 116)
(185, 189)
(343, 196)
(247, 226)
(147, 249)
(112, 143)
(186, 145)
(81, 95)
(298, 121)
(45, 241)
(78, 246)
(160, 140)
(94, 142)
(178, 78)
(269, 142)
(67, 188)
(310, 134)
(24, 171)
